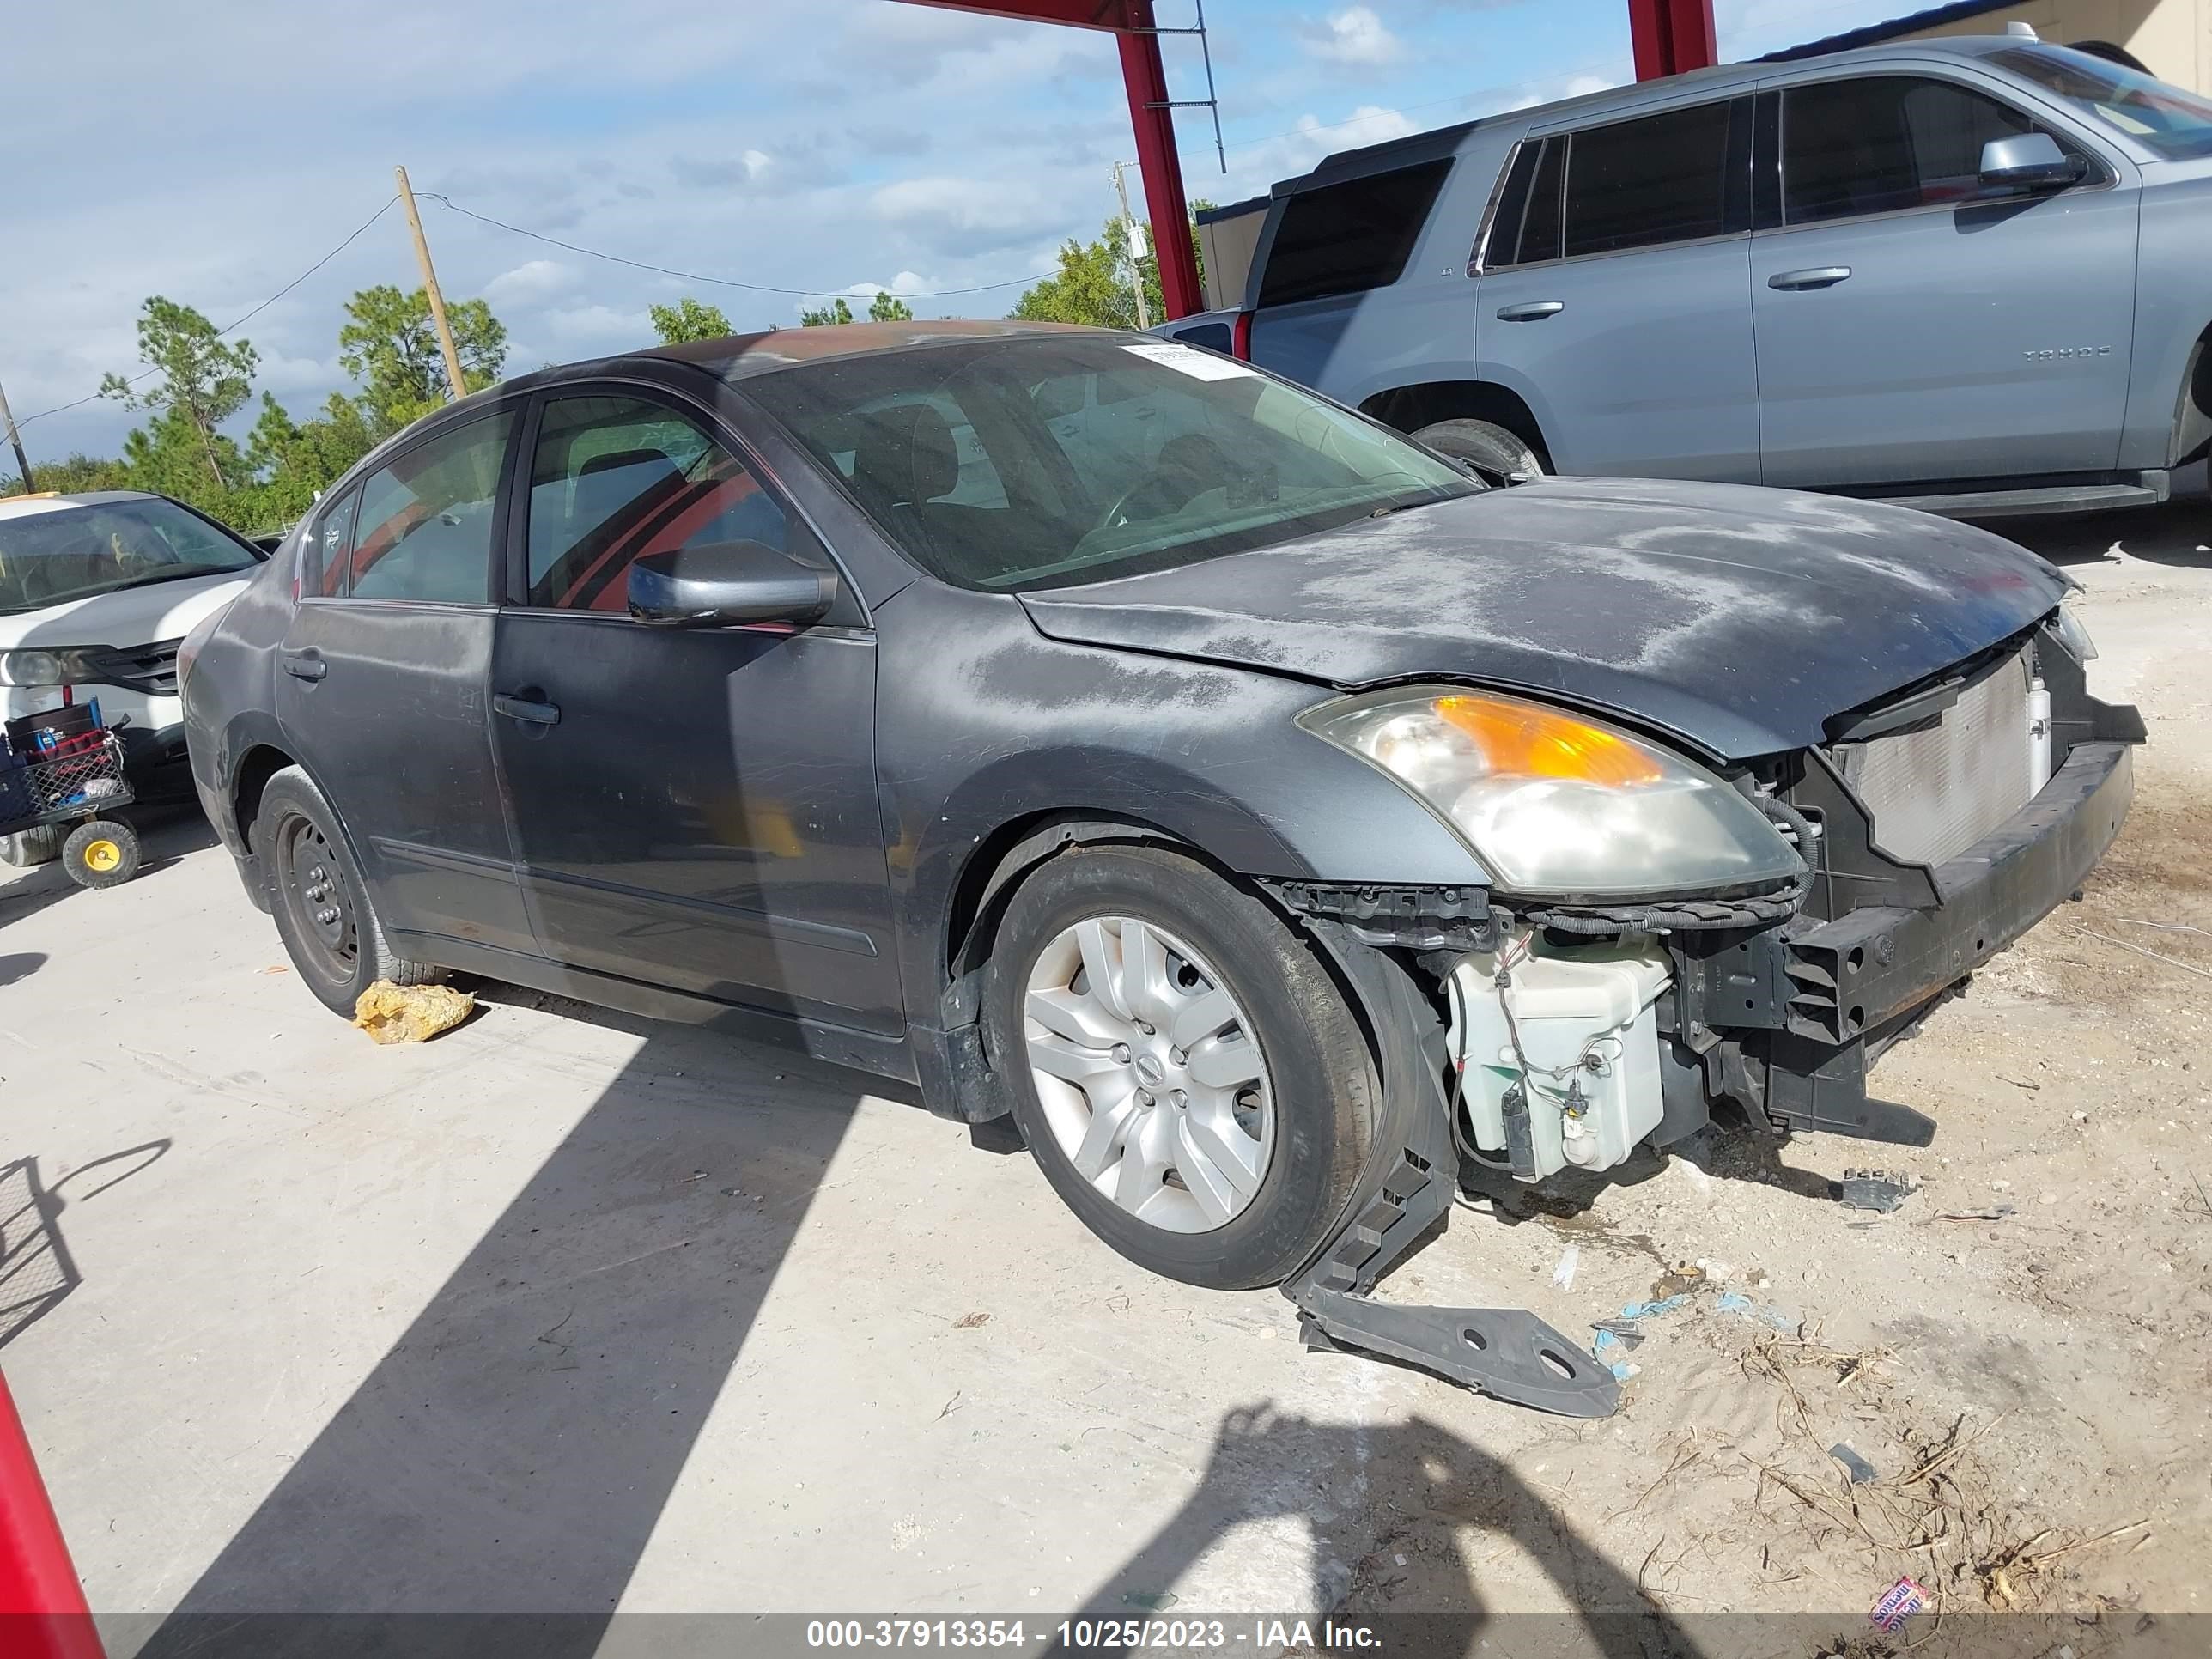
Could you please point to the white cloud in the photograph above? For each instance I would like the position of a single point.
(1355, 35)
(529, 282)
(1583, 85)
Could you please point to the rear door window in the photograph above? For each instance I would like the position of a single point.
(1526, 231)
(424, 532)
(1881, 143)
(1348, 238)
(1644, 183)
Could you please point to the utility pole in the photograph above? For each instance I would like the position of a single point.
(430, 286)
(1129, 235)
(14, 439)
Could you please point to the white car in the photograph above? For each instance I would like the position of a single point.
(96, 592)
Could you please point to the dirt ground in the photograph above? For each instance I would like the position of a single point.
(568, 1313)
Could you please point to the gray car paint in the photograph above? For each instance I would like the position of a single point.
(1739, 619)
(1924, 367)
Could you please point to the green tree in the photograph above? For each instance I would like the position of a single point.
(75, 473)
(888, 307)
(202, 381)
(390, 346)
(829, 316)
(1092, 284)
(293, 461)
(688, 320)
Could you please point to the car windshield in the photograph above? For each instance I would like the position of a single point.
(1043, 461)
(2162, 119)
(54, 555)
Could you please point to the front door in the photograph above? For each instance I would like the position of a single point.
(1911, 327)
(382, 685)
(695, 808)
(1614, 294)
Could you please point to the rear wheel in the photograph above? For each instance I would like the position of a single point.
(27, 848)
(323, 911)
(1500, 457)
(1187, 1075)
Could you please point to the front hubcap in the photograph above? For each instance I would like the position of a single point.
(1149, 1074)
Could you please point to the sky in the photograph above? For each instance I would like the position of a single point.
(213, 153)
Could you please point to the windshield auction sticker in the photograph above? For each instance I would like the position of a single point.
(1185, 359)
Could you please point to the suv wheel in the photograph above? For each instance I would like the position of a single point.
(321, 906)
(27, 848)
(1495, 453)
(1187, 1075)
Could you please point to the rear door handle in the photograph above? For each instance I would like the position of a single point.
(531, 714)
(1533, 312)
(1811, 276)
(305, 664)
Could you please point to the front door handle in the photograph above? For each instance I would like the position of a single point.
(1811, 276)
(1533, 311)
(305, 664)
(529, 712)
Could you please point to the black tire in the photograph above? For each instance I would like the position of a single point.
(1319, 1069)
(103, 853)
(1496, 453)
(27, 849)
(321, 906)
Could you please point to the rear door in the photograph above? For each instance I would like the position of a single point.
(1614, 293)
(1912, 328)
(382, 687)
(695, 808)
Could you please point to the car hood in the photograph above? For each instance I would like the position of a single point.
(156, 612)
(1740, 619)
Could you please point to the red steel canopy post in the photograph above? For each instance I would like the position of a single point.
(42, 1610)
(1671, 36)
(1145, 76)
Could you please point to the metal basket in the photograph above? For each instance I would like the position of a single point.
(80, 784)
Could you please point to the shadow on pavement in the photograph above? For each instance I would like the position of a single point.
(2178, 534)
(1389, 1508)
(37, 1271)
(513, 1452)
(166, 835)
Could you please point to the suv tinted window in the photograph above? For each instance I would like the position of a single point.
(1879, 144)
(1346, 237)
(424, 529)
(1527, 229)
(1659, 178)
(615, 477)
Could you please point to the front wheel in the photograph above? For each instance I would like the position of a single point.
(1499, 456)
(1187, 1075)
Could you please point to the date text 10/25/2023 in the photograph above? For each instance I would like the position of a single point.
(1077, 1635)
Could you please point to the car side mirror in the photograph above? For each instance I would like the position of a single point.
(716, 584)
(2027, 160)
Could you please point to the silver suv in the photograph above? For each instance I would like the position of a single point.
(1969, 273)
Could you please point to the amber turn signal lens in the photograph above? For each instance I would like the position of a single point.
(1521, 740)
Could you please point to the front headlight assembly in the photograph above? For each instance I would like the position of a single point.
(39, 667)
(1556, 804)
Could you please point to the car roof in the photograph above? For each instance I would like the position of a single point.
(1446, 141)
(50, 500)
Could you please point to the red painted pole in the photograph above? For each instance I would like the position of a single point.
(1147, 82)
(1671, 37)
(42, 1609)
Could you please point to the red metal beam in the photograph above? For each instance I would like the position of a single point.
(1145, 76)
(42, 1610)
(1672, 36)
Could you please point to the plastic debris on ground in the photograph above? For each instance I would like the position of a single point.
(1857, 1468)
(1896, 1604)
(1735, 1302)
(1563, 1275)
(1873, 1189)
(409, 1013)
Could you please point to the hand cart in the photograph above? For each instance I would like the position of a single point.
(80, 780)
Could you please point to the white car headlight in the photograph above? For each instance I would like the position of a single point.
(34, 668)
(1556, 804)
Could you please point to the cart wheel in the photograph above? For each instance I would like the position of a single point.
(102, 853)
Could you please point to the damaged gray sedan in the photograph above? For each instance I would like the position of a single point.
(1275, 823)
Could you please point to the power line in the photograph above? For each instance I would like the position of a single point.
(693, 276)
(358, 232)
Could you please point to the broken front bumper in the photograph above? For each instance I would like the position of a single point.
(1822, 1000)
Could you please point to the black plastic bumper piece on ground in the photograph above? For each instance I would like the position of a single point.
(1404, 1191)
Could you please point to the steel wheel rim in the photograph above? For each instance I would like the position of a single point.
(102, 855)
(1149, 1075)
(316, 894)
